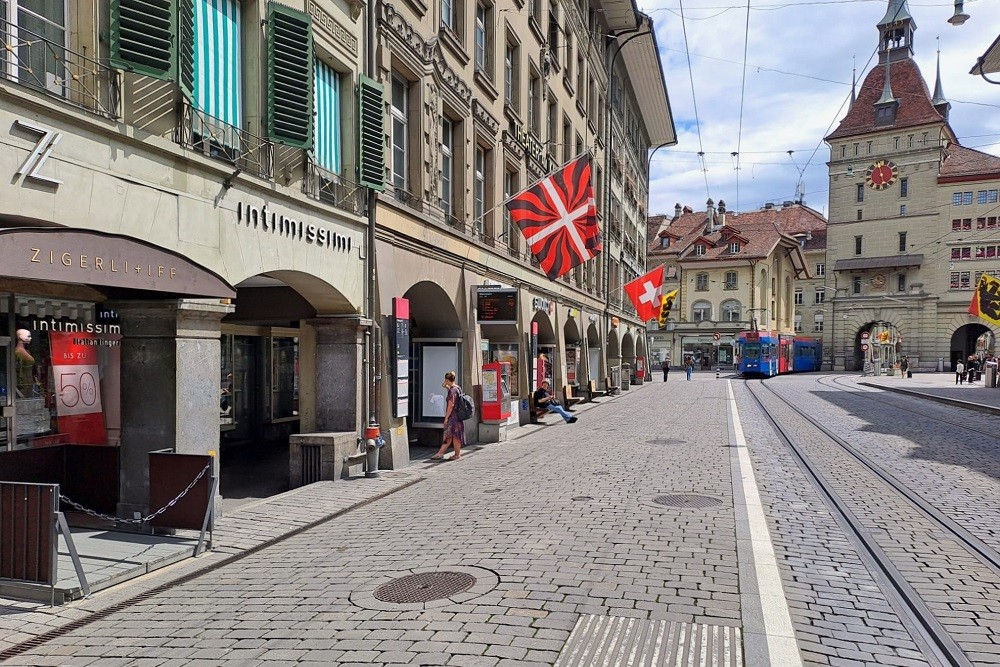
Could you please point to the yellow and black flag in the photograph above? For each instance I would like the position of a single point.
(986, 299)
(666, 303)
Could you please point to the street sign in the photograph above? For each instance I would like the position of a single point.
(716, 336)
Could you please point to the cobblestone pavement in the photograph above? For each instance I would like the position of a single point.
(562, 521)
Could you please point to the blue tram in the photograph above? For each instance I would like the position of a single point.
(767, 353)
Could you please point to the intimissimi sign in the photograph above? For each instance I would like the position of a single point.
(267, 221)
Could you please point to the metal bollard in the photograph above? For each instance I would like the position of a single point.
(373, 442)
(717, 372)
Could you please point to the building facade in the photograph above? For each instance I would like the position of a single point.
(913, 220)
(484, 99)
(181, 244)
(735, 272)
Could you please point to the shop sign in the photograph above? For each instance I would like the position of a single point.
(269, 222)
(94, 258)
(32, 165)
(540, 304)
(75, 370)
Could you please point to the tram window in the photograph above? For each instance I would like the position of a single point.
(751, 352)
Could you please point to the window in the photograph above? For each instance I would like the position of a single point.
(510, 188)
(699, 249)
(859, 214)
(217, 60)
(860, 194)
(820, 295)
(895, 143)
(731, 311)
(534, 102)
(961, 280)
(818, 322)
(665, 242)
(856, 285)
(554, 45)
(981, 197)
(326, 120)
(956, 199)
(798, 296)
(902, 242)
(820, 270)
(484, 40)
(734, 247)
(731, 279)
(449, 15)
(857, 245)
(961, 224)
(843, 150)
(992, 196)
(399, 112)
(701, 282)
(447, 167)
(856, 148)
(966, 199)
(553, 118)
(701, 311)
(798, 323)
(902, 209)
(961, 253)
(479, 191)
(41, 37)
(909, 141)
(901, 282)
(511, 75)
(869, 147)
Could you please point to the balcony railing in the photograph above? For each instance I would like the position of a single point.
(409, 199)
(46, 65)
(334, 189)
(217, 139)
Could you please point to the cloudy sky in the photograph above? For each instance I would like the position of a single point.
(797, 82)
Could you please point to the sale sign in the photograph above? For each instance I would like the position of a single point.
(78, 390)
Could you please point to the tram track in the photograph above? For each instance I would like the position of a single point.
(844, 470)
(840, 386)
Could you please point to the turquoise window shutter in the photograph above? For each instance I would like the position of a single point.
(328, 141)
(217, 73)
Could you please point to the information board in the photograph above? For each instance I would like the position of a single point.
(496, 305)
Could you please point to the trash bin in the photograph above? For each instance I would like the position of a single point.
(991, 376)
(909, 374)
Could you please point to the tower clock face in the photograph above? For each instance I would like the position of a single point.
(881, 175)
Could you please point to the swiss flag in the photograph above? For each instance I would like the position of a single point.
(644, 292)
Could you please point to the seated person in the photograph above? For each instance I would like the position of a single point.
(545, 400)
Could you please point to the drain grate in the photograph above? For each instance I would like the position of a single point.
(424, 587)
(666, 441)
(492, 490)
(582, 498)
(687, 501)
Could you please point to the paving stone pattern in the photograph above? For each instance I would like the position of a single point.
(554, 558)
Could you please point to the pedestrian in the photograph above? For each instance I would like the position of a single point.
(904, 365)
(545, 400)
(959, 372)
(689, 367)
(454, 428)
(665, 367)
(971, 367)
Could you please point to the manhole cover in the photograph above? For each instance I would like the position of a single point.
(687, 501)
(424, 587)
(666, 441)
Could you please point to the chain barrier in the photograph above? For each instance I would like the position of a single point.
(142, 520)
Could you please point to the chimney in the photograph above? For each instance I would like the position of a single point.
(787, 204)
(768, 206)
(677, 210)
(709, 216)
(722, 213)
(809, 235)
(688, 209)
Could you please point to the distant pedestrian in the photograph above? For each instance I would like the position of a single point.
(959, 373)
(454, 428)
(546, 401)
(665, 367)
(689, 367)
(904, 366)
(971, 368)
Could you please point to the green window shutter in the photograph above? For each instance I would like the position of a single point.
(289, 76)
(185, 47)
(143, 37)
(371, 99)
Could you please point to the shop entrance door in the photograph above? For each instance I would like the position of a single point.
(247, 410)
(6, 396)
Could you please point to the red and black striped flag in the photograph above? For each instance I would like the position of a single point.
(558, 217)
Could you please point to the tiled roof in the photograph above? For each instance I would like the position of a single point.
(908, 87)
(961, 163)
(762, 230)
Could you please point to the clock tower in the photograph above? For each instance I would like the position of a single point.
(885, 159)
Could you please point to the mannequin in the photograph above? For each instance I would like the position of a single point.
(25, 365)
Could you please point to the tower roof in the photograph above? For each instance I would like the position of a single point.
(896, 12)
(910, 90)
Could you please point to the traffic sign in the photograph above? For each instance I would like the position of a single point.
(865, 335)
(716, 336)
(864, 347)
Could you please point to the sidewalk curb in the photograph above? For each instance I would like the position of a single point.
(96, 615)
(969, 405)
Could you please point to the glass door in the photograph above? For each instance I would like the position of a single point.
(6, 396)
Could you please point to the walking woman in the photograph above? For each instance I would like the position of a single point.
(454, 428)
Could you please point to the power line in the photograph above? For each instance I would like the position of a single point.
(743, 88)
(697, 121)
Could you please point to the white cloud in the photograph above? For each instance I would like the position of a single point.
(812, 44)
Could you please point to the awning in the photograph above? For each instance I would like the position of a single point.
(893, 261)
(989, 62)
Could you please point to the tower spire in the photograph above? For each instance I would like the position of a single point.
(887, 97)
(940, 102)
(854, 82)
(895, 32)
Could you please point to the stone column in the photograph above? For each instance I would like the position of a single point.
(340, 381)
(170, 379)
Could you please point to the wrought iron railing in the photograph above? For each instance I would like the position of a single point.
(46, 65)
(217, 139)
(409, 199)
(332, 188)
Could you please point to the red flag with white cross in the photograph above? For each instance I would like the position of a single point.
(644, 292)
(558, 217)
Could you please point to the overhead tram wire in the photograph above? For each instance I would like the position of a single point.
(743, 89)
(694, 100)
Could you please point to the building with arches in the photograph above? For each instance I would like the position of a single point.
(914, 219)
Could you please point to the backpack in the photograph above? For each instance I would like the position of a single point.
(464, 405)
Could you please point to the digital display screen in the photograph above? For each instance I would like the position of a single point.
(497, 306)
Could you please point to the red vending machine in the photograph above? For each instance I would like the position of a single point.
(640, 368)
(496, 392)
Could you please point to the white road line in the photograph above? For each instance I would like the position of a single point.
(768, 636)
